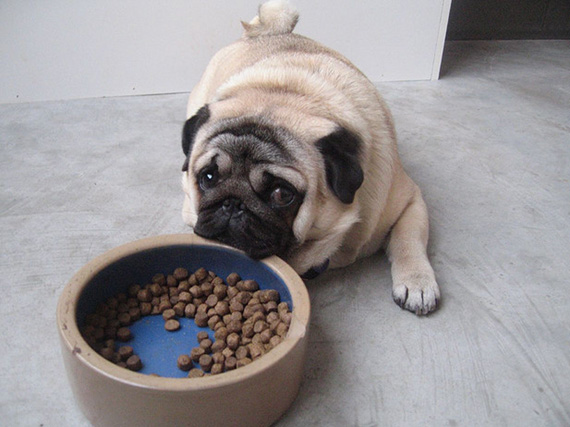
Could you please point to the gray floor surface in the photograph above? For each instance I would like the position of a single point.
(489, 144)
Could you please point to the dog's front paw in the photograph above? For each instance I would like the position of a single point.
(418, 293)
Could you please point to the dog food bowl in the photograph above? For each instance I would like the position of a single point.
(254, 395)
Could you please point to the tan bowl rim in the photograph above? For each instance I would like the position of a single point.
(69, 331)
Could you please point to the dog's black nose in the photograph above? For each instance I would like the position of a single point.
(233, 204)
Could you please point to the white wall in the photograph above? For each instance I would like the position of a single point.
(63, 49)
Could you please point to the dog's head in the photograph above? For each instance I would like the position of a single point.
(262, 185)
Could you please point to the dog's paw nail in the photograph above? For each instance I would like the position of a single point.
(419, 295)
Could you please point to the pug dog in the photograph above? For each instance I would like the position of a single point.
(291, 151)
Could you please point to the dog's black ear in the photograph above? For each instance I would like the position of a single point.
(340, 151)
(191, 128)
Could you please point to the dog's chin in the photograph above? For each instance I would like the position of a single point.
(255, 252)
(257, 245)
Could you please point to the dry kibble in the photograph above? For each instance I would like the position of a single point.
(206, 345)
(185, 297)
(286, 317)
(232, 292)
(196, 291)
(207, 288)
(272, 317)
(144, 295)
(107, 353)
(248, 285)
(135, 314)
(124, 319)
(183, 286)
(227, 352)
(234, 326)
(184, 362)
(218, 357)
(196, 353)
(124, 334)
(218, 346)
(247, 330)
(202, 335)
(206, 362)
(242, 352)
(201, 274)
(195, 373)
(266, 336)
(255, 351)
(201, 319)
(275, 340)
(134, 363)
(247, 321)
(125, 352)
(221, 333)
(222, 308)
(172, 325)
(179, 308)
(232, 340)
(171, 281)
(155, 289)
(232, 279)
(180, 274)
(230, 363)
(190, 310)
(168, 314)
(164, 305)
(212, 300)
(159, 278)
(217, 368)
(213, 320)
(220, 291)
(260, 326)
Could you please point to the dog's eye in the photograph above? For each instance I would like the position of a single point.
(282, 196)
(208, 179)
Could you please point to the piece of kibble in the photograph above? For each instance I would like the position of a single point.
(202, 335)
(172, 325)
(201, 274)
(218, 358)
(201, 319)
(125, 352)
(196, 353)
(134, 363)
(230, 363)
(168, 314)
(206, 362)
(218, 346)
(242, 352)
(107, 353)
(195, 373)
(184, 362)
(217, 368)
(206, 345)
(180, 273)
(124, 334)
(190, 311)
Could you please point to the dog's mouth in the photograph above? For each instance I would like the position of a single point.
(236, 226)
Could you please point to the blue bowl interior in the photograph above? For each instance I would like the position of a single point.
(158, 348)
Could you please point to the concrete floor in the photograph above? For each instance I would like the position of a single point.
(490, 146)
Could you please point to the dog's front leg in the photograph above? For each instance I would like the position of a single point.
(414, 287)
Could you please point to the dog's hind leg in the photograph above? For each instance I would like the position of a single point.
(414, 286)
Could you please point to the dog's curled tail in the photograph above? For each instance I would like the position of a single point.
(273, 17)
